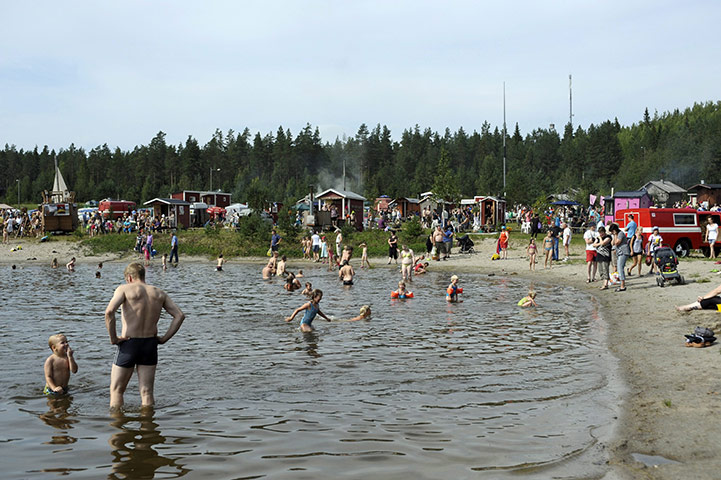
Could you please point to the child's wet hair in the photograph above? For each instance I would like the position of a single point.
(365, 309)
(54, 339)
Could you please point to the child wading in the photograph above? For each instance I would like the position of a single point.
(312, 309)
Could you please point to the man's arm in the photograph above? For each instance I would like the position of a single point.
(115, 303)
(178, 317)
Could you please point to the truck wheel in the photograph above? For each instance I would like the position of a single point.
(682, 248)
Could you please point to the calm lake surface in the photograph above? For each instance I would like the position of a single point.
(424, 390)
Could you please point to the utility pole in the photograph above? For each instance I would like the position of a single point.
(504, 139)
(570, 102)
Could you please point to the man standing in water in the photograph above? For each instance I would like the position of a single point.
(139, 340)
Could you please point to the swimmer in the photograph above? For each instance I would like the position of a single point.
(71, 265)
(452, 291)
(55, 263)
(365, 314)
(346, 273)
(308, 291)
(401, 292)
(97, 274)
(299, 274)
(100, 265)
(291, 283)
(221, 262)
(59, 365)
(312, 309)
(529, 300)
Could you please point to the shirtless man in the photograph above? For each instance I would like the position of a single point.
(138, 341)
(346, 273)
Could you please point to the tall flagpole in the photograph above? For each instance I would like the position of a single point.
(504, 139)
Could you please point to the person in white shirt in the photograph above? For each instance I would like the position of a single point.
(315, 246)
(567, 234)
(711, 235)
(589, 237)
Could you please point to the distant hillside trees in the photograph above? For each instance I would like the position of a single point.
(681, 146)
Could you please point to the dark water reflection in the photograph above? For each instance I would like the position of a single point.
(424, 389)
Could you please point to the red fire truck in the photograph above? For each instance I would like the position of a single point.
(683, 229)
(115, 208)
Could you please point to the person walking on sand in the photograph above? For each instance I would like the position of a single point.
(173, 248)
(138, 340)
(532, 250)
(711, 235)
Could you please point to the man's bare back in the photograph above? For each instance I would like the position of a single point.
(137, 345)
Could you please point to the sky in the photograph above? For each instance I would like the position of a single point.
(89, 73)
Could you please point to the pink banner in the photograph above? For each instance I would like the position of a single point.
(600, 200)
(592, 199)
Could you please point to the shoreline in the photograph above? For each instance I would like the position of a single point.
(668, 394)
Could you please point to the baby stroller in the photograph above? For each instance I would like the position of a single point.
(667, 263)
(466, 244)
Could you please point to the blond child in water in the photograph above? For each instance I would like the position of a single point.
(365, 314)
(452, 291)
(529, 300)
(59, 365)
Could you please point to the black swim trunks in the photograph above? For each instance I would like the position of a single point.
(347, 282)
(137, 351)
(711, 303)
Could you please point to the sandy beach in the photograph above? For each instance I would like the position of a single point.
(667, 428)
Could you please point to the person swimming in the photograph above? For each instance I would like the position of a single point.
(453, 290)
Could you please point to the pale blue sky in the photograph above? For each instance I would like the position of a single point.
(90, 72)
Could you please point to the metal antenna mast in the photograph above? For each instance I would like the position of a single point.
(570, 102)
(504, 139)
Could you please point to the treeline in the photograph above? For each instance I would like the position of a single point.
(681, 146)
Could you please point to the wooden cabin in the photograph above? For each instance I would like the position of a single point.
(345, 202)
(177, 210)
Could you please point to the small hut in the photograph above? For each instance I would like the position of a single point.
(492, 210)
(345, 202)
(705, 192)
(407, 206)
(176, 210)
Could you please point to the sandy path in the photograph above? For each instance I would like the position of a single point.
(673, 399)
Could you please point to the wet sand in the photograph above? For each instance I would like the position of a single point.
(669, 411)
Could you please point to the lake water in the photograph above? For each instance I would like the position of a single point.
(424, 390)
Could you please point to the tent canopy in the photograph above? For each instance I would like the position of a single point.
(565, 202)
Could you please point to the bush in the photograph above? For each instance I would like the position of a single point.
(412, 230)
(254, 226)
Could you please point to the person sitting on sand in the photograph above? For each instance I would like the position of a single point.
(365, 314)
(312, 309)
(710, 301)
(421, 268)
(529, 300)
